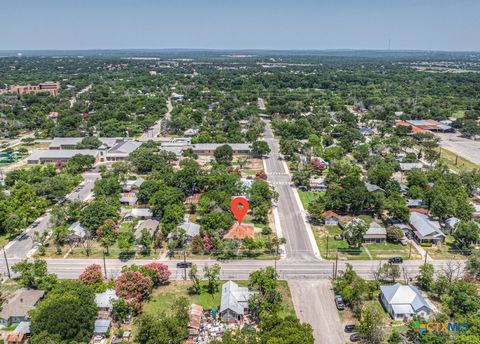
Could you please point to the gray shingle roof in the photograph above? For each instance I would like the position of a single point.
(38, 154)
(191, 229)
(20, 303)
(105, 299)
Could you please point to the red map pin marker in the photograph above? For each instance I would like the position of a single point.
(239, 212)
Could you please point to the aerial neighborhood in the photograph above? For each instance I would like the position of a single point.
(239, 197)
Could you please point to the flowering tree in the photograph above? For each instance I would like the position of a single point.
(207, 243)
(92, 275)
(161, 273)
(133, 287)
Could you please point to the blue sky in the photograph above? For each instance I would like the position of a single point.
(241, 24)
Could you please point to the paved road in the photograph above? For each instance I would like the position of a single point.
(73, 100)
(294, 228)
(314, 304)
(156, 129)
(237, 269)
(84, 190)
(23, 245)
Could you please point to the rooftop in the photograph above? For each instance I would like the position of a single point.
(240, 232)
(20, 303)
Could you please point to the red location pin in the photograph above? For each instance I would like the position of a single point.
(239, 212)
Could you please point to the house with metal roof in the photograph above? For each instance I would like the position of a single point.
(15, 308)
(373, 188)
(78, 232)
(191, 229)
(375, 233)
(133, 184)
(104, 301)
(101, 327)
(404, 301)
(234, 302)
(140, 213)
(425, 229)
(407, 166)
(129, 198)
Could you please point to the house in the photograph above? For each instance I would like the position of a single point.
(150, 225)
(195, 316)
(424, 229)
(373, 188)
(104, 302)
(78, 232)
(101, 327)
(319, 163)
(451, 223)
(129, 198)
(404, 301)
(318, 184)
(414, 202)
(191, 132)
(407, 166)
(240, 232)
(375, 234)
(366, 131)
(15, 309)
(139, 213)
(191, 229)
(331, 218)
(134, 184)
(233, 302)
(20, 334)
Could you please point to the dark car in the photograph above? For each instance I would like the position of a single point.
(355, 337)
(183, 265)
(395, 260)
(339, 303)
(349, 328)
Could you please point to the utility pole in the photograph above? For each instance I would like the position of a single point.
(410, 250)
(104, 265)
(426, 255)
(333, 270)
(327, 246)
(6, 263)
(336, 265)
(184, 265)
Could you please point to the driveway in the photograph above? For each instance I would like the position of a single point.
(314, 304)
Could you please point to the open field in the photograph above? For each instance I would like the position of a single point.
(307, 196)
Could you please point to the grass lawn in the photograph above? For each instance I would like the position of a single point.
(445, 251)
(307, 196)
(456, 162)
(163, 297)
(458, 114)
(366, 252)
(341, 246)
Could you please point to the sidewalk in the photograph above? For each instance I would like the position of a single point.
(422, 251)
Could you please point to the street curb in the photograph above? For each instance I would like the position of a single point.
(316, 251)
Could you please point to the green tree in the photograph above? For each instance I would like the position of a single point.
(462, 298)
(212, 274)
(426, 278)
(268, 299)
(89, 142)
(79, 163)
(260, 148)
(34, 274)
(223, 154)
(466, 234)
(107, 233)
(394, 234)
(69, 311)
(370, 327)
(193, 275)
(355, 231)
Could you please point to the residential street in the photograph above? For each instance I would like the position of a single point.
(314, 304)
(294, 227)
(156, 129)
(23, 245)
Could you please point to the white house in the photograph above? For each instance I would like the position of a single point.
(234, 302)
(404, 301)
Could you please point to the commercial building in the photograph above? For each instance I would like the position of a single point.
(45, 87)
(72, 142)
(53, 156)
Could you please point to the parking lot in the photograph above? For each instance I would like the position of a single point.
(466, 148)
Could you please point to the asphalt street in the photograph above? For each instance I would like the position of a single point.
(314, 304)
(294, 228)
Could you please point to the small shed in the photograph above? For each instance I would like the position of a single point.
(101, 327)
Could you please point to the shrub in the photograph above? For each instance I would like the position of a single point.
(426, 244)
(133, 287)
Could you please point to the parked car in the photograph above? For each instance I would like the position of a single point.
(355, 337)
(302, 188)
(339, 303)
(395, 260)
(349, 328)
(183, 265)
